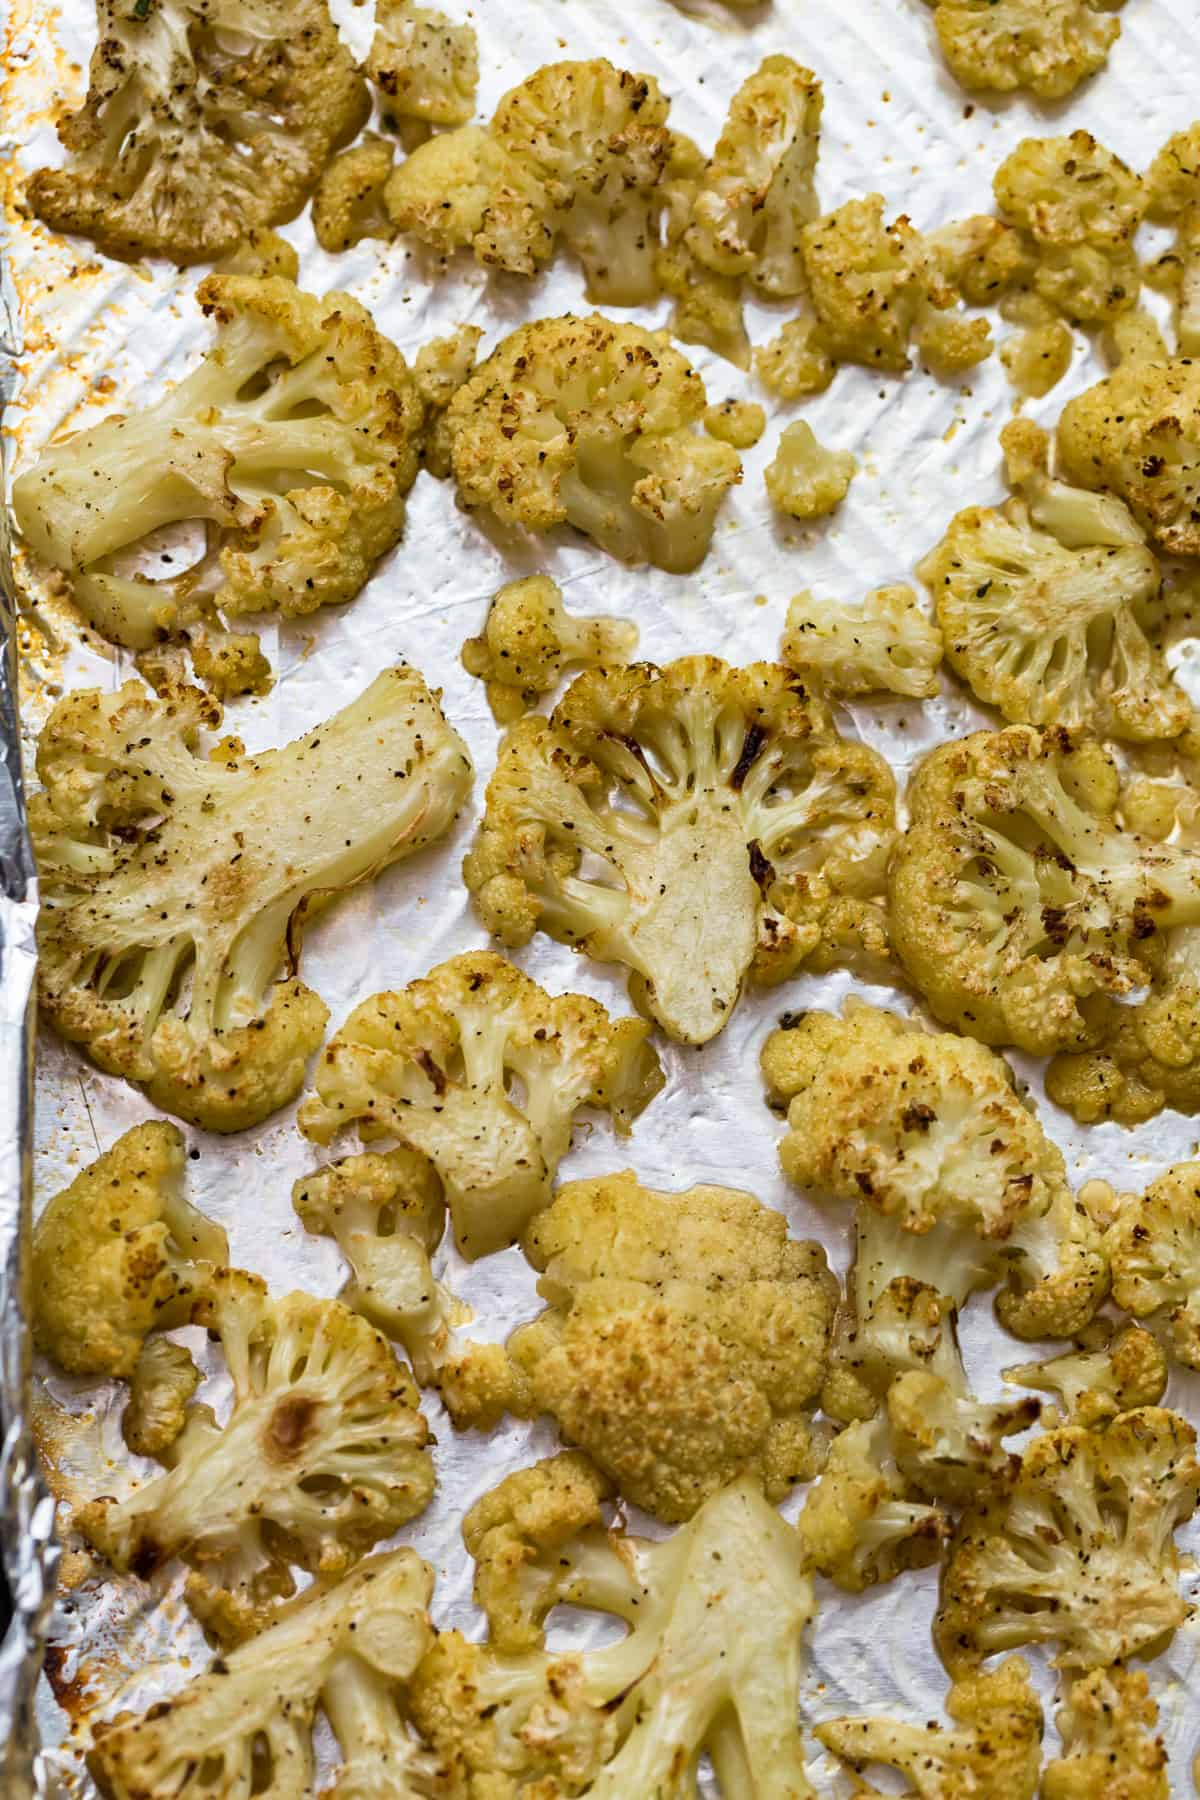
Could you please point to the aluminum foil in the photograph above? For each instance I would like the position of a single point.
(100, 335)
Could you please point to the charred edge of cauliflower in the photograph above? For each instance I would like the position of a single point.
(530, 638)
(886, 645)
(482, 1071)
(119, 1254)
(685, 1339)
(696, 769)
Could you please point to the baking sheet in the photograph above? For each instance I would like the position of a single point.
(100, 334)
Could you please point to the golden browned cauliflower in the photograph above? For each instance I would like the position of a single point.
(737, 422)
(119, 1254)
(295, 442)
(1016, 901)
(348, 204)
(1037, 358)
(798, 360)
(1137, 433)
(728, 815)
(806, 480)
(708, 307)
(585, 422)
(530, 638)
(1109, 1373)
(992, 1751)
(1106, 1728)
(482, 1071)
(203, 119)
(684, 1341)
(1045, 47)
(885, 645)
(261, 252)
(1154, 1244)
(464, 188)
(1080, 1552)
(175, 886)
(982, 258)
(424, 65)
(161, 1389)
(860, 1525)
(1081, 206)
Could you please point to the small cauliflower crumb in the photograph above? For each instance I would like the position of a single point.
(797, 361)
(1037, 359)
(806, 480)
(737, 422)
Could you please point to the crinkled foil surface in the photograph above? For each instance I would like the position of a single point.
(100, 335)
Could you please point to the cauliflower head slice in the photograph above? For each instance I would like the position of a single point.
(592, 423)
(482, 1071)
(348, 204)
(1137, 434)
(323, 1454)
(424, 65)
(294, 442)
(1107, 1727)
(203, 119)
(247, 1719)
(807, 480)
(860, 1525)
(758, 191)
(696, 823)
(635, 1716)
(1154, 1244)
(174, 887)
(685, 1338)
(1054, 632)
(870, 283)
(1043, 47)
(991, 1751)
(1080, 1552)
(1014, 898)
(530, 638)
(885, 645)
(119, 1254)
(1096, 1384)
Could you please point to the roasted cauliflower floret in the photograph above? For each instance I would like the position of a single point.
(323, 1454)
(725, 810)
(482, 1071)
(885, 645)
(348, 204)
(1015, 900)
(1094, 1384)
(1154, 1244)
(1106, 1728)
(1037, 358)
(530, 638)
(246, 1720)
(589, 423)
(797, 360)
(294, 442)
(161, 1388)
(684, 1342)
(261, 252)
(806, 480)
(992, 1751)
(737, 422)
(1081, 205)
(203, 119)
(1137, 433)
(119, 1254)
(424, 65)
(758, 191)
(982, 258)
(1045, 47)
(708, 307)
(859, 1525)
(1080, 1553)
(463, 188)
(175, 888)
(632, 1718)
(870, 284)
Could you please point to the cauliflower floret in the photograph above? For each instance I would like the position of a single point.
(886, 645)
(119, 1254)
(708, 307)
(1046, 47)
(737, 422)
(633, 1717)
(323, 1454)
(161, 1388)
(464, 189)
(1135, 337)
(871, 285)
(992, 1751)
(1037, 359)
(1106, 1728)
(1137, 433)
(950, 343)
(1044, 610)
(1095, 1384)
(482, 1071)
(728, 815)
(758, 191)
(203, 119)
(684, 1341)
(1015, 900)
(591, 423)
(1080, 1552)
(295, 442)
(439, 371)
(244, 1724)
(386, 1214)
(1081, 206)
(1154, 1245)
(805, 480)
(174, 887)
(228, 663)
(348, 204)
(424, 65)
(982, 258)
(797, 361)
(859, 1526)
(261, 252)
(530, 638)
